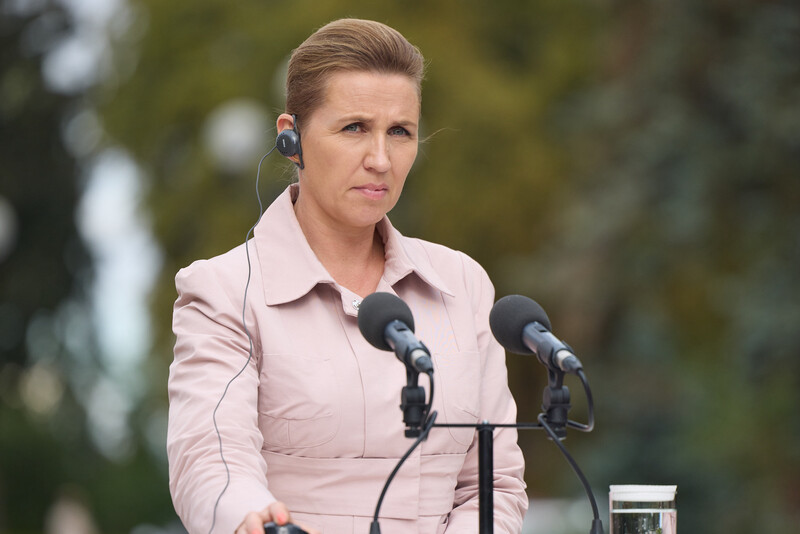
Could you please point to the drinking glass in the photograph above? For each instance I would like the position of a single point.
(638, 509)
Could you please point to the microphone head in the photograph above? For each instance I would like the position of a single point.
(376, 312)
(509, 317)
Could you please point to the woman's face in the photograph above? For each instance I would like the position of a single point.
(358, 147)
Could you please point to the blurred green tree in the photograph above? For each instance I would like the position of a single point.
(674, 256)
(48, 354)
(40, 265)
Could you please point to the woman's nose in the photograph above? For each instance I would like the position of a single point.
(377, 158)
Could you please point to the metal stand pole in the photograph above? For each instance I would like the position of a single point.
(485, 478)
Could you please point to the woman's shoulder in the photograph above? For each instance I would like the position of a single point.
(228, 268)
(438, 253)
(449, 263)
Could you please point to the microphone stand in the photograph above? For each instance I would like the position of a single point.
(553, 419)
(419, 420)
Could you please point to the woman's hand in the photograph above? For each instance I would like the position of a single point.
(254, 521)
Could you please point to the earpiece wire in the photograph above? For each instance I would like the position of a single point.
(249, 339)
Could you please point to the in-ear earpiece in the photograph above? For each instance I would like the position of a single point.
(288, 143)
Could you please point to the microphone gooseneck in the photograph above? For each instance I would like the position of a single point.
(509, 317)
(386, 323)
(375, 313)
(521, 326)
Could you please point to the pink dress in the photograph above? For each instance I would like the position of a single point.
(314, 419)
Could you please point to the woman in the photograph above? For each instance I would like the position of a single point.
(311, 428)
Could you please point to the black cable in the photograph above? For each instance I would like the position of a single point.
(543, 421)
(590, 403)
(249, 339)
(374, 527)
(430, 398)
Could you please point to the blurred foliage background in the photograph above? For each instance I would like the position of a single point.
(634, 166)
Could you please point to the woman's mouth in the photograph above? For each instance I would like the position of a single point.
(373, 191)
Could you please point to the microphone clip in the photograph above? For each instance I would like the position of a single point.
(556, 403)
(412, 402)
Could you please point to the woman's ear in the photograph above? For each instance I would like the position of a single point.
(285, 122)
(288, 140)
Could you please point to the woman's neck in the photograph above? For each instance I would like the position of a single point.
(353, 256)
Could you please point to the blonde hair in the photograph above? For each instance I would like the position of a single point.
(347, 45)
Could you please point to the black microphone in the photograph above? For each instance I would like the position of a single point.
(521, 326)
(387, 323)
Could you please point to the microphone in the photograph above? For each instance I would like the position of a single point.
(386, 323)
(521, 326)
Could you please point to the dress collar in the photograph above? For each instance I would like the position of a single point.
(290, 269)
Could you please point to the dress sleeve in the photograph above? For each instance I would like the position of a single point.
(497, 406)
(211, 348)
